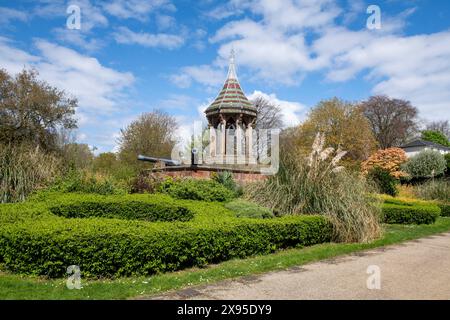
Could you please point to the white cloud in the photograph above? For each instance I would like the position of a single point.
(78, 39)
(229, 9)
(293, 112)
(275, 48)
(8, 14)
(177, 101)
(165, 22)
(92, 16)
(416, 68)
(282, 42)
(98, 88)
(164, 40)
(204, 74)
(101, 91)
(13, 59)
(136, 9)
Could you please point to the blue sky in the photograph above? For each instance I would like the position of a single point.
(134, 56)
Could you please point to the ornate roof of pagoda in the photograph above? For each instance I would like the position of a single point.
(231, 98)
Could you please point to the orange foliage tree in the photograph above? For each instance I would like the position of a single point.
(389, 159)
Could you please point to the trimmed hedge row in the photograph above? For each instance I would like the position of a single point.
(149, 209)
(410, 213)
(105, 247)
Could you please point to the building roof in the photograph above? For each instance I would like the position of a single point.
(231, 98)
(424, 143)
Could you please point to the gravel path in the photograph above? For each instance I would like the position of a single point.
(418, 269)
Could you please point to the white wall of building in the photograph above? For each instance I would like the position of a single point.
(412, 151)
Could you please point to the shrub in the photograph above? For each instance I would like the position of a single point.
(426, 164)
(318, 186)
(436, 189)
(389, 159)
(150, 208)
(87, 182)
(192, 189)
(225, 178)
(146, 183)
(447, 159)
(44, 244)
(410, 214)
(384, 181)
(247, 209)
(24, 170)
(445, 209)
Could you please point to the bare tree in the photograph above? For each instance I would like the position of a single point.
(440, 126)
(269, 114)
(393, 121)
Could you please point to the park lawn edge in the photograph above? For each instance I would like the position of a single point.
(28, 287)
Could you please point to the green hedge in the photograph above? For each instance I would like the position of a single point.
(124, 248)
(149, 209)
(192, 189)
(410, 214)
(445, 209)
(35, 241)
(247, 209)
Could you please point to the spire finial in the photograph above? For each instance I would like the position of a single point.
(232, 67)
(232, 56)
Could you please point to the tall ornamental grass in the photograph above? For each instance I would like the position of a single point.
(23, 170)
(435, 189)
(317, 185)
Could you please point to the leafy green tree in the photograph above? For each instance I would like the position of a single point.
(105, 162)
(77, 155)
(436, 137)
(152, 134)
(344, 125)
(441, 126)
(32, 111)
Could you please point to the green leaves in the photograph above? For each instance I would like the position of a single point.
(410, 213)
(436, 137)
(426, 164)
(204, 190)
(34, 241)
(149, 208)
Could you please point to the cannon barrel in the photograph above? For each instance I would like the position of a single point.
(167, 162)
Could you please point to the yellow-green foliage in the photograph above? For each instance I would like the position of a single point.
(35, 241)
(409, 211)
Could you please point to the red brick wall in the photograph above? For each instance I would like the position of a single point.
(239, 177)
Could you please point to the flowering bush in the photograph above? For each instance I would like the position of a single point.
(389, 159)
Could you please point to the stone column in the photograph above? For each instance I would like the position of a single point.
(223, 149)
(249, 145)
(238, 154)
(212, 141)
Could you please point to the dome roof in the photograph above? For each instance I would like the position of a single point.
(231, 99)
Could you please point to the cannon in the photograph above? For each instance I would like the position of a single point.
(167, 162)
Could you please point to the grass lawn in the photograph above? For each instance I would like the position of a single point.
(27, 287)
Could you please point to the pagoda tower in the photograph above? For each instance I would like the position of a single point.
(231, 118)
